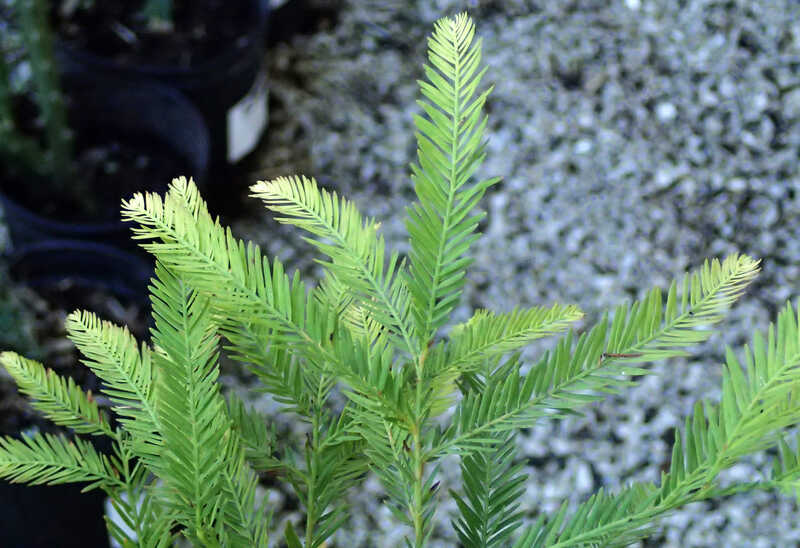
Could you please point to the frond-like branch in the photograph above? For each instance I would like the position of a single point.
(441, 225)
(58, 398)
(356, 251)
(758, 401)
(194, 423)
(237, 280)
(566, 379)
(49, 459)
(493, 486)
(608, 520)
(126, 369)
(487, 335)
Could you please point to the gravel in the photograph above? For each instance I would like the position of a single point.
(635, 138)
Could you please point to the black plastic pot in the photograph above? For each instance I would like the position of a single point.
(45, 516)
(76, 264)
(228, 89)
(147, 113)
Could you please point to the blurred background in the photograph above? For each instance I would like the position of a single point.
(635, 139)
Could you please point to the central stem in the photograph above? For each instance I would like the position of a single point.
(417, 505)
(417, 509)
(312, 454)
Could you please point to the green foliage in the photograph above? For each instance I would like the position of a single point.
(492, 486)
(16, 319)
(48, 459)
(158, 14)
(54, 159)
(371, 330)
(441, 226)
(57, 398)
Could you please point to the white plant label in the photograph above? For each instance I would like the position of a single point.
(247, 119)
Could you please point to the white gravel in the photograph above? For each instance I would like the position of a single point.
(635, 139)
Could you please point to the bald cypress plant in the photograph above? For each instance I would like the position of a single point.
(372, 329)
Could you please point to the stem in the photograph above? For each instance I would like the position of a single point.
(416, 508)
(312, 461)
(417, 502)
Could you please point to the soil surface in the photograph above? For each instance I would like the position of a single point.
(119, 31)
(107, 170)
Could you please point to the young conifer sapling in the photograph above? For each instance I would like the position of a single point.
(371, 329)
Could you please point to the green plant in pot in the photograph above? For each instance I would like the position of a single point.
(58, 201)
(53, 158)
(118, 128)
(371, 329)
(211, 51)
